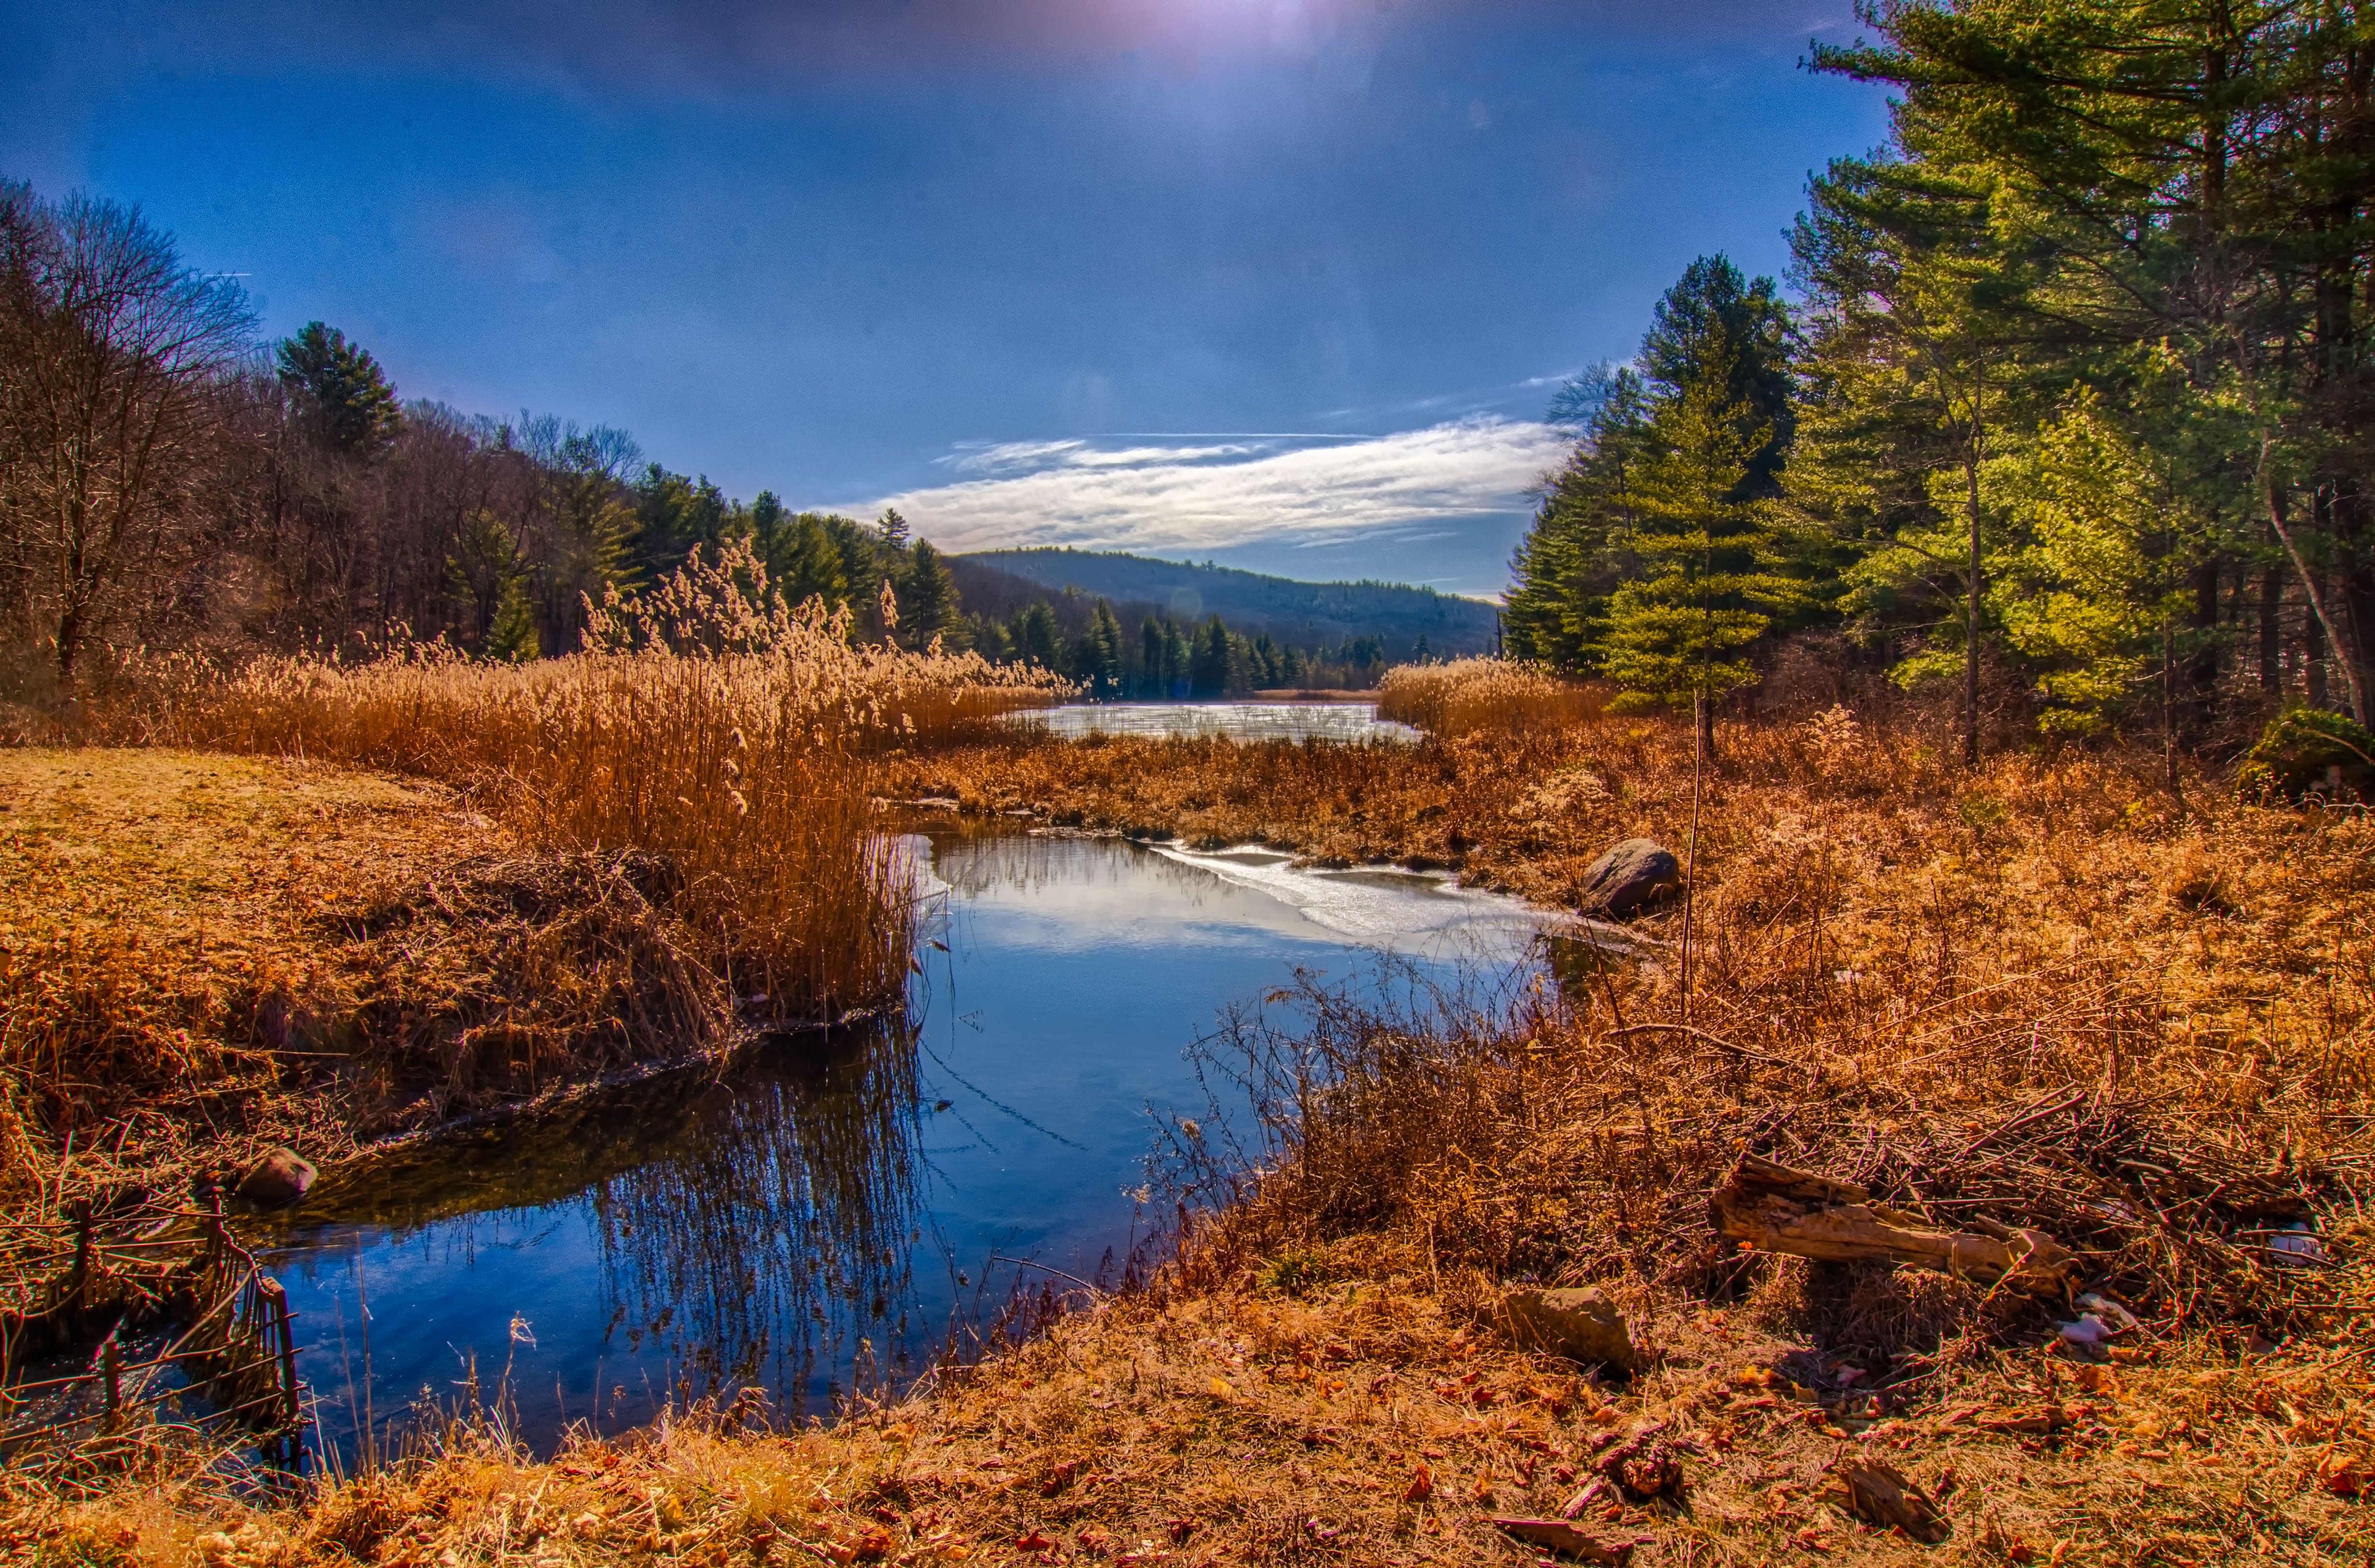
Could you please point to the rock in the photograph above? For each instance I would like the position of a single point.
(1583, 1325)
(280, 1177)
(1635, 873)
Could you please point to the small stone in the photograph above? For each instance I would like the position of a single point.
(280, 1177)
(1637, 872)
(1583, 1325)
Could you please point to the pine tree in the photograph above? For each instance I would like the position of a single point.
(1152, 680)
(1035, 636)
(1708, 583)
(513, 635)
(928, 598)
(1208, 674)
(1097, 654)
(343, 389)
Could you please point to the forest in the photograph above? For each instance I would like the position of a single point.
(2067, 423)
(168, 480)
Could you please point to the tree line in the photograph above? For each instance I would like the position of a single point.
(1166, 658)
(167, 479)
(2074, 389)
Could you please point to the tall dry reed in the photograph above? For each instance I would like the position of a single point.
(1472, 695)
(706, 725)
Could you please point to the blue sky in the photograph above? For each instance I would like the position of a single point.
(1284, 283)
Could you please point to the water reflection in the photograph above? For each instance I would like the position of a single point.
(682, 1238)
(1350, 722)
(830, 1210)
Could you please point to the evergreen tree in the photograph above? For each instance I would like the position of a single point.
(1177, 658)
(1208, 674)
(1035, 639)
(513, 635)
(928, 598)
(1586, 545)
(1572, 558)
(673, 515)
(483, 571)
(342, 390)
(1097, 654)
(1708, 585)
(1152, 680)
(812, 565)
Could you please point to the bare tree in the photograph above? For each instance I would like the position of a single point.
(111, 351)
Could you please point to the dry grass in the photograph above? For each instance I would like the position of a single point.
(202, 956)
(1465, 695)
(665, 839)
(730, 742)
(2041, 992)
(1229, 1420)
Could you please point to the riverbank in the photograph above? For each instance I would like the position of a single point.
(2044, 995)
(206, 956)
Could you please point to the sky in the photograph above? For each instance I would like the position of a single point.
(1285, 283)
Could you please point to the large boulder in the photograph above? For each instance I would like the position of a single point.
(1583, 1325)
(280, 1177)
(1637, 872)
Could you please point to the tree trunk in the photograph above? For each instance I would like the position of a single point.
(2312, 585)
(2272, 631)
(2202, 670)
(2313, 658)
(1971, 616)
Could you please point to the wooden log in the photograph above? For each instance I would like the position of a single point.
(1772, 1207)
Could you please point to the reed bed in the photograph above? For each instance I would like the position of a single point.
(1464, 695)
(610, 857)
(706, 725)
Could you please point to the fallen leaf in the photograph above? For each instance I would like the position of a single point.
(1035, 1541)
(2345, 1475)
(1421, 1485)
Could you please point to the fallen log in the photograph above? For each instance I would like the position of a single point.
(1770, 1208)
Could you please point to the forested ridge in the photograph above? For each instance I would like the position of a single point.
(2070, 416)
(168, 480)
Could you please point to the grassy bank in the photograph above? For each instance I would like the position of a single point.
(480, 881)
(2045, 993)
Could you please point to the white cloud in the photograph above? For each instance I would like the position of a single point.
(1171, 498)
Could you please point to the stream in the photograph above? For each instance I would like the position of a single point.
(826, 1215)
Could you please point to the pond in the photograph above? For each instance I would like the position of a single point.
(1239, 721)
(827, 1214)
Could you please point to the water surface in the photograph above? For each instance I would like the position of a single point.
(830, 1211)
(1238, 721)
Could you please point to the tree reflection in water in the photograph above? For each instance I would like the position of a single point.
(772, 1243)
(755, 1227)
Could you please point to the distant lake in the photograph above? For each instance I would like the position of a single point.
(1238, 720)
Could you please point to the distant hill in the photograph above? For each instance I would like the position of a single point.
(1304, 614)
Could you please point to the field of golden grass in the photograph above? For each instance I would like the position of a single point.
(2046, 993)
